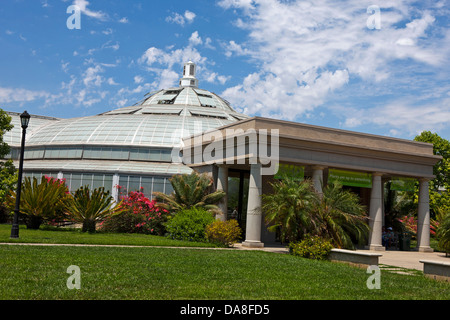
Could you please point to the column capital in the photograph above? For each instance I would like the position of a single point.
(318, 167)
(422, 179)
(377, 174)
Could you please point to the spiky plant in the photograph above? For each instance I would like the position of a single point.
(190, 191)
(40, 200)
(89, 207)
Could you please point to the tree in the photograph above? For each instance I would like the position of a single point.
(439, 187)
(89, 207)
(298, 210)
(8, 173)
(289, 207)
(341, 217)
(40, 200)
(190, 191)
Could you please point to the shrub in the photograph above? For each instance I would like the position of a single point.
(44, 199)
(443, 234)
(88, 207)
(189, 224)
(223, 232)
(139, 215)
(312, 247)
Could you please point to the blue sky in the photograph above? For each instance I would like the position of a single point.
(340, 64)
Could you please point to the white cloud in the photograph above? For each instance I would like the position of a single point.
(232, 47)
(138, 79)
(189, 16)
(124, 20)
(19, 94)
(112, 82)
(92, 77)
(195, 39)
(177, 18)
(403, 117)
(315, 49)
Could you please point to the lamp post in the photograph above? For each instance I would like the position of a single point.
(24, 120)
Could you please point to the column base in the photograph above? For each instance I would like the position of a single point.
(252, 244)
(424, 249)
(375, 247)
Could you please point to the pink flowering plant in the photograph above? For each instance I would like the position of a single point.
(410, 223)
(140, 215)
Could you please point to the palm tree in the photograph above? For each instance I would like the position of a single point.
(341, 217)
(190, 191)
(40, 199)
(290, 208)
(88, 207)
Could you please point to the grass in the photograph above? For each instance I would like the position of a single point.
(40, 272)
(74, 236)
(158, 273)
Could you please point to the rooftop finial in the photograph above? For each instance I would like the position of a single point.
(189, 79)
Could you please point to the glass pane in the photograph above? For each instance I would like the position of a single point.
(134, 154)
(97, 182)
(158, 184)
(146, 183)
(86, 179)
(134, 183)
(155, 155)
(169, 188)
(74, 182)
(107, 182)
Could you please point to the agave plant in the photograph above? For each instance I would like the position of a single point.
(89, 207)
(40, 200)
(190, 191)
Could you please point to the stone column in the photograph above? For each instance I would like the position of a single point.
(114, 187)
(423, 218)
(254, 217)
(317, 178)
(376, 214)
(222, 184)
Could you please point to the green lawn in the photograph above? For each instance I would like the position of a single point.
(39, 272)
(74, 236)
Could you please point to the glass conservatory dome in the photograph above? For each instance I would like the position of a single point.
(134, 141)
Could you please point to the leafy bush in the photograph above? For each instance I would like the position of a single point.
(443, 234)
(189, 224)
(139, 215)
(312, 247)
(223, 232)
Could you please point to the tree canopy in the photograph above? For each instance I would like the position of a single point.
(8, 176)
(440, 185)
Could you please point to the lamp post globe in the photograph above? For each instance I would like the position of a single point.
(24, 121)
